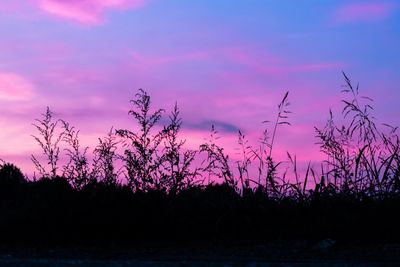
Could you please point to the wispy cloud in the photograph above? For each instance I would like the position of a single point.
(258, 61)
(364, 12)
(14, 87)
(86, 12)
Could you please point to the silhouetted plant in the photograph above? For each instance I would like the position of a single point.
(244, 164)
(334, 143)
(267, 168)
(48, 140)
(298, 188)
(355, 195)
(260, 154)
(140, 154)
(217, 161)
(361, 157)
(281, 119)
(77, 169)
(177, 164)
(391, 171)
(105, 155)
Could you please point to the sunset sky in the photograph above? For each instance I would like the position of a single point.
(227, 62)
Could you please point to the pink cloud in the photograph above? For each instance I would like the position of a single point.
(265, 63)
(86, 12)
(146, 61)
(300, 68)
(257, 61)
(371, 11)
(14, 87)
(89, 12)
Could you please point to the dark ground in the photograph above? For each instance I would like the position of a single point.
(296, 253)
(48, 223)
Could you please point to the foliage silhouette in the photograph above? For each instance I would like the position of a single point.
(217, 162)
(361, 157)
(176, 164)
(48, 141)
(104, 161)
(77, 169)
(11, 175)
(159, 193)
(140, 158)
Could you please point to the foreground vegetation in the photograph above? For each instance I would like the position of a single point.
(145, 185)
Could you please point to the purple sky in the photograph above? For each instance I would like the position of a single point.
(226, 62)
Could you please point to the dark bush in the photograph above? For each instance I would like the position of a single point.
(10, 175)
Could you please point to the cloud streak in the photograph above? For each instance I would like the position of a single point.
(89, 12)
(253, 59)
(14, 87)
(363, 12)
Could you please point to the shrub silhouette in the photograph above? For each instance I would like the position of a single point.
(11, 175)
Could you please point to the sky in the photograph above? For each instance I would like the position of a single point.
(225, 62)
